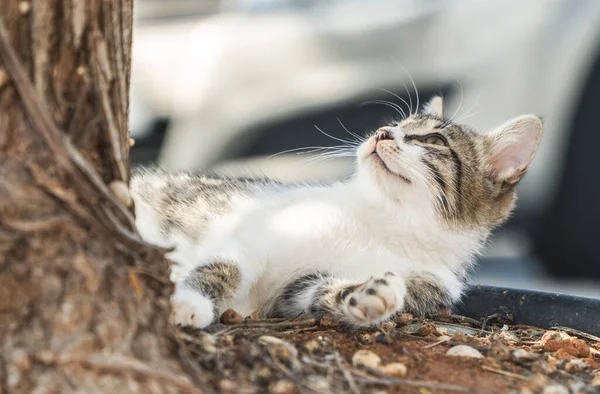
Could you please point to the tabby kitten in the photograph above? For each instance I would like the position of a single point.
(400, 235)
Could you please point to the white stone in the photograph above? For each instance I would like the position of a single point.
(464, 351)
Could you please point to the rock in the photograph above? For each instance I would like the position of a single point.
(554, 335)
(577, 387)
(382, 338)
(499, 350)
(573, 346)
(230, 317)
(328, 321)
(404, 319)
(228, 386)
(555, 389)
(261, 375)
(536, 384)
(509, 337)
(282, 387)
(394, 369)
(366, 338)
(387, 326)
(575, 366)
(426, 329)
(281, 350)
(523, 356)
(464, 351)
(543, 367)
(312, 346)
(318, 384)
(365, 358)
(46, 356)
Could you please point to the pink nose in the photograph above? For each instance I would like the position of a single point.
(382, 134)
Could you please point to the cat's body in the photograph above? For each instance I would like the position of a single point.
(399, 235)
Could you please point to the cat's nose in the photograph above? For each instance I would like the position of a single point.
(383, 134)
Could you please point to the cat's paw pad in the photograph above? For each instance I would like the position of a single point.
(374, 301)
(190, 308)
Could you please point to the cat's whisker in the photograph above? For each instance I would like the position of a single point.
(358, 138)
(387, 103)
(468, 113)
(462, 96)
(351, 143)
(399, 98)
(416, 90)
(306, 149)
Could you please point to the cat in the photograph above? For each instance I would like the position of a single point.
(400, 235)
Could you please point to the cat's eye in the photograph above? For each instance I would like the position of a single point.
(434, 139)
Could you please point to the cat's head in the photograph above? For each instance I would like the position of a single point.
(465, 177)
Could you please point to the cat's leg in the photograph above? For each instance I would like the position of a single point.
(197, 299)
(356, 304)
(217, 282)
(427, 292)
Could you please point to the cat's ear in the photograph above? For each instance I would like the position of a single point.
(512, 147)
(435, 107)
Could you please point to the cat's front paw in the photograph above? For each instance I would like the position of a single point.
(190, 308)
(374, 301)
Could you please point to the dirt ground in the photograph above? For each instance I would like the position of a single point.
(408, 355)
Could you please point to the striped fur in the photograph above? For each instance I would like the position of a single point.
(401, 234)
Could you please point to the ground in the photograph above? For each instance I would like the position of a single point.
(408, 355)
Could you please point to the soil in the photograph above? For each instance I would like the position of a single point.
(308, 356)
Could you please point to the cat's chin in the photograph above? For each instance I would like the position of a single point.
(380, 165)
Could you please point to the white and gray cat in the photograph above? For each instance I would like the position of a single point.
(399, 235)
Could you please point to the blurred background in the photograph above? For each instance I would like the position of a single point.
(224, 85)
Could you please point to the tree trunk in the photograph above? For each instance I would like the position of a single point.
(83, 300)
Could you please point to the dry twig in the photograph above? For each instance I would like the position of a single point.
(505, 373)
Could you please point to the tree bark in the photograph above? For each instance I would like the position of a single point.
(83, 300)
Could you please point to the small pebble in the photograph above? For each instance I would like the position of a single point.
(577, 387)
(228, 386)
(366, 338)
(404, 319)
(46, 357)
(426, 329)
(208, 342)
(318, 384)
(464, 351)
(366, 358)
(543, 367)
(328, 321)
(382, 338)
(394, 369)
(509, 337)
(387, 326)
(282, 387)
(573, 346)
(574, 366)
(554, 335)
(524, 356)
(555, 389)
(281, 350)
(230, 317)
(312, 346)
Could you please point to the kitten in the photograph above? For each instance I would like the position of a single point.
(400, 235)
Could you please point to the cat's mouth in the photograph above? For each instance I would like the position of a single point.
(381, 164)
